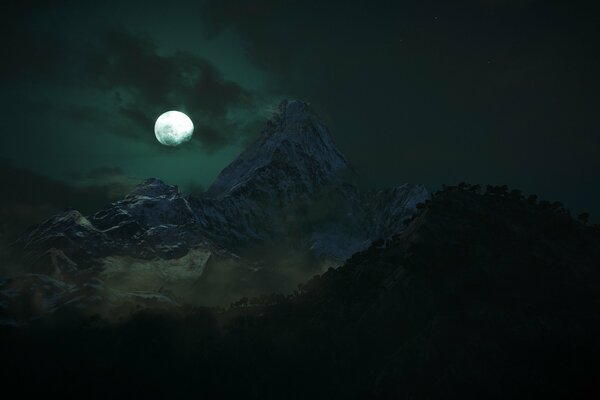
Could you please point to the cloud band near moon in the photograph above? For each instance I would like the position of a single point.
(135, 84)
(438, 92)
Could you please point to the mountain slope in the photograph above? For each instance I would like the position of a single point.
(482, 296)
(293, 139)
(277, 186)
(274, 217)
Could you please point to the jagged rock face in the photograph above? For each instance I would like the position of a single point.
(287, 187)
(392, 206)
(70, 232)
(288, 172)
(154, 220)
(292, 161)
(356, 219)
(294, 155)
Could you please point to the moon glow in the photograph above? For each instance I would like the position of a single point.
(173, 128)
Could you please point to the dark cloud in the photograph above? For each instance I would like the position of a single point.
(30, 53)
(104, 172)
(125, 82)
(122, 60)
(130, 66)
(496, 91)
(138, 116)
(492, 91)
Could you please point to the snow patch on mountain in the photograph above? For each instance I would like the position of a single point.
(286, 190)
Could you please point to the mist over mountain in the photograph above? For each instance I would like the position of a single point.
(300, 199)
(483, 295)
(288, 280)
(284, 210)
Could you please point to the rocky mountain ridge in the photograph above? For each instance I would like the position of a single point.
(287, 187)
(483, 295)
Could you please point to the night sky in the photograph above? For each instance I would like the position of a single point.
(432, 92)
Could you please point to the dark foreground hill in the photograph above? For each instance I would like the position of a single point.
(482, 296)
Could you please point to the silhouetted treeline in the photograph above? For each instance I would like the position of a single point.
(503, 191)
(485, 295)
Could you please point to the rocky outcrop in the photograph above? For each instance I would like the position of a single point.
(286, 190)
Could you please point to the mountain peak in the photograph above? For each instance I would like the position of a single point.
(296, 140)
(289, 116)
(153, 187)
(293, 118)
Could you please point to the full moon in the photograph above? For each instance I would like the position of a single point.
(173, 128)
